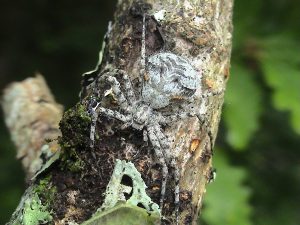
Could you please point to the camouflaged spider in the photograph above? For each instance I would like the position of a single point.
(169, 76)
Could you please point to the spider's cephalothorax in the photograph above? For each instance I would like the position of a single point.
(142, 114)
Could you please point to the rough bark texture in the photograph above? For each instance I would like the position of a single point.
(199, 31)
(32, 116)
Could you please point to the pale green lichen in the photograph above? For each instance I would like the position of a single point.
(116, 191)
(30, 211)
(160, 15)
(116, 209)
(34, 213)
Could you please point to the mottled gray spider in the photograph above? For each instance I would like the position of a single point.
(170, 76)
(167, 76)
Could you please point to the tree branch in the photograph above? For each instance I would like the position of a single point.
(32, 116)
(176, 56)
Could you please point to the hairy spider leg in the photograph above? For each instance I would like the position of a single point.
(131, 98)
(108, 112)
(159, 154)
(174, 118)
(116, 88)
(209, 93)
(202, 114)
(94, 117)
(164, 143)
(201, 117)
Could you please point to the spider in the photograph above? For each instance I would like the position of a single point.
(170, 76)
(166, 77)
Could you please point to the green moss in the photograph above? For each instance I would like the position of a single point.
(45, 190)
(75, 127)
(83, 113)
(71, 161)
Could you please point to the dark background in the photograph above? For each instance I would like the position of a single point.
(257, 155)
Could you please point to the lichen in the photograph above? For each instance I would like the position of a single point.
(116, 189)
(126, 200)
(31, 211)
(34, 213)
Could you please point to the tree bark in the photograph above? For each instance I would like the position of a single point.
(32, 116)
(77, 184)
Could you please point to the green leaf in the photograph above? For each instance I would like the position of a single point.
(227, 199)
(280, 63)
(242, 107)
(124, 214)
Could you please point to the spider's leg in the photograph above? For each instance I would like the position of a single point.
(160, 156)
(128, 88)
(116, 87)
(94, 117)
(145, 137)
(126, 125)
(209, 93)
(164, 142)
(166, 120)
(113, 114)
(201, 115)
(108, 112)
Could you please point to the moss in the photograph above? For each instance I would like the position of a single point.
(71, 160)
(46, 191)
(75, 127)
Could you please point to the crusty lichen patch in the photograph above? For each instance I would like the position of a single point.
(34, 213)
(31, 210)
(118, 188)
(126, 198)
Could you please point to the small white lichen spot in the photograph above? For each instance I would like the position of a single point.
(198, 21)
(160, 15)
(170, 76)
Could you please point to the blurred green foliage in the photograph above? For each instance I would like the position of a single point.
(260, 184)
(244, 107)
(257, 158)
(227, 194)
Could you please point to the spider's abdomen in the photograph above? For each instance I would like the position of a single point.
(169, 76)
